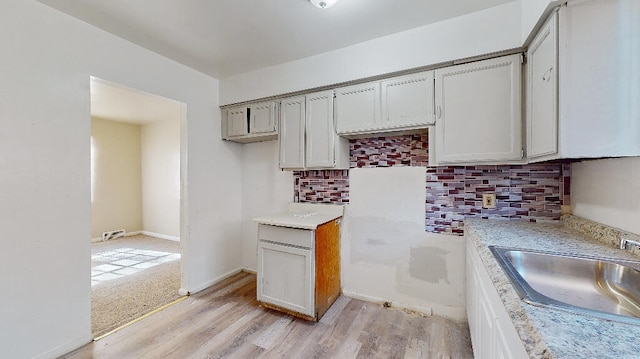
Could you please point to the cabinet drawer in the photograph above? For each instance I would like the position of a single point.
(292, 236)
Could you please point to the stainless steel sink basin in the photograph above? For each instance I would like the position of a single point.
(598, 287)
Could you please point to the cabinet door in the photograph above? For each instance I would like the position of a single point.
(237, 121)
(358, 108)
(262, 118)
(473, 307)
(542, 91)
(407, 101)
(320, 132)
(292, 128)
(486, 339)
(478, 112)
(286, 277)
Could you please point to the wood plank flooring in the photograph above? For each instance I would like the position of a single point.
(226, 321)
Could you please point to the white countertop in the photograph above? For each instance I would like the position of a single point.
(303, 215)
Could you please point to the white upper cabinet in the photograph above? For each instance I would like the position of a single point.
(237, 121)
(407, 101)
(292, 132)
(250, 123)
(397, 104)
(478, 112)
(262, 119)
(321, 134)
(358, 108)
(598, 74)
(308, 139)
(542, 92)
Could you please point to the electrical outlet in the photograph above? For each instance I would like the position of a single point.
(488, 200)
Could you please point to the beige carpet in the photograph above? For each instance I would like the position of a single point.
(131, 276)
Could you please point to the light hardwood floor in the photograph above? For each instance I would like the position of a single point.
(225, 321)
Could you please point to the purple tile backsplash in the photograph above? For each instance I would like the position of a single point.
(410, 150)
(532, 192)
(321, 186)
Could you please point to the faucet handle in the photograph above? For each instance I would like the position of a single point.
(625, 242)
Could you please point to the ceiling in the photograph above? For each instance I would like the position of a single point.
(227, 37)
(114, 102)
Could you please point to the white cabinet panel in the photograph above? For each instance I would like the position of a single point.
(493, 335)
(542, 92)
(262, 118)
(250, 123)
(308, 139)
(321, 135)
(358, 108)
(397, 104)
(598, 82)
(237, 122)
(292, 131)
(407, 101)
(478, 114)
(286, 277)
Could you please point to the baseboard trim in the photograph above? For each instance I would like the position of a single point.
(214, 281)
(380, 301)
(161, 236)
(65, 348)
(146, 233)
(249, 270)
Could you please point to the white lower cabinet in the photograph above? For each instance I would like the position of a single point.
(493, 335)
(299, 269)
(286, 276)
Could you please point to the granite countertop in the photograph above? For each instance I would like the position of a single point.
(550, 332)
(303, 216)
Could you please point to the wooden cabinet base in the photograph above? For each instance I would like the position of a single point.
(290, 312)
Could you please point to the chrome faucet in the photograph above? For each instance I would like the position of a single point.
(624, 243)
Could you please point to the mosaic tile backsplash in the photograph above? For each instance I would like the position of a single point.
(532, 192)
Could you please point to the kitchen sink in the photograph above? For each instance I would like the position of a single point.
(604, 288)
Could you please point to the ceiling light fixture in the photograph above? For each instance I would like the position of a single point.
(323, 4)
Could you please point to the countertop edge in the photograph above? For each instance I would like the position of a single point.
(528, 333)
(552, 332)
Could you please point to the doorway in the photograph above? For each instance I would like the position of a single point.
(136, 203)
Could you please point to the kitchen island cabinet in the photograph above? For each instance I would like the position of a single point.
(299, 262)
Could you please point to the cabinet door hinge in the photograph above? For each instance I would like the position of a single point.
(522, 153)
(523, 58)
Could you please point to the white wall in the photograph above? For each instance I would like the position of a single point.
(265, 190)
(386, 255)
(530, 12)
(117, 183)
(45, 215)
(486, 31)
(608, 191)
(160, 143)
